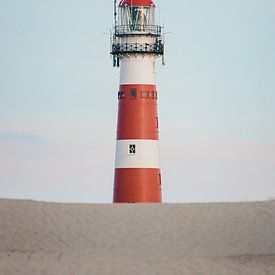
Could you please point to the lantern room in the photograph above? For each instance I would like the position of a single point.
(137, 17)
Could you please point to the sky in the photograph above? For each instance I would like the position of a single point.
(58, 100)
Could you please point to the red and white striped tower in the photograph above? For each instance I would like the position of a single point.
(136, 43)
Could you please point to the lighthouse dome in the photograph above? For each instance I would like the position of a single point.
(136, 3)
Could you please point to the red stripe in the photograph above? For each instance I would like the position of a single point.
(138, 185)
(137, 115)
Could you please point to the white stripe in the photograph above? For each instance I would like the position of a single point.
(146, 155)
(138, 70)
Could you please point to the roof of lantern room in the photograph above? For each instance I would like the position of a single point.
(136, 3)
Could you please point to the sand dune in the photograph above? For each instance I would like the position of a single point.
(56, 239)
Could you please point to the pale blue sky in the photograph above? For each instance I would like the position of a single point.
(58, 101)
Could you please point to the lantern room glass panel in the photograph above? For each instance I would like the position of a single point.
(137, 19)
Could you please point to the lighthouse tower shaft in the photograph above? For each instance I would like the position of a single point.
(136, 44)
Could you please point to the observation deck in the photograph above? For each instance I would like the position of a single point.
(138, 48)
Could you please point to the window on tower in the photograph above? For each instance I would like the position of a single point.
(133, 93)
(143, 94)
(132, 149)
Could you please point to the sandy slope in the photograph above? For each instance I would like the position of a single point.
(56, 239)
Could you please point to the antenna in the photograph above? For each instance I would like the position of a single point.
(115, 12)
(159, 15)
(164, 52)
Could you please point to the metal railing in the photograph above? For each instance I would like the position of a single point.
(145, 48)
(121, 30)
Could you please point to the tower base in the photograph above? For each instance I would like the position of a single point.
(137, 185)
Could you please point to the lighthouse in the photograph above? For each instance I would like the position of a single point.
(135, 45)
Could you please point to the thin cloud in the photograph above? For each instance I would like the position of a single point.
(21, 138)
(22, 145)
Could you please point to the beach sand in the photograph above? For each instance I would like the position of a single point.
(79, 239)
